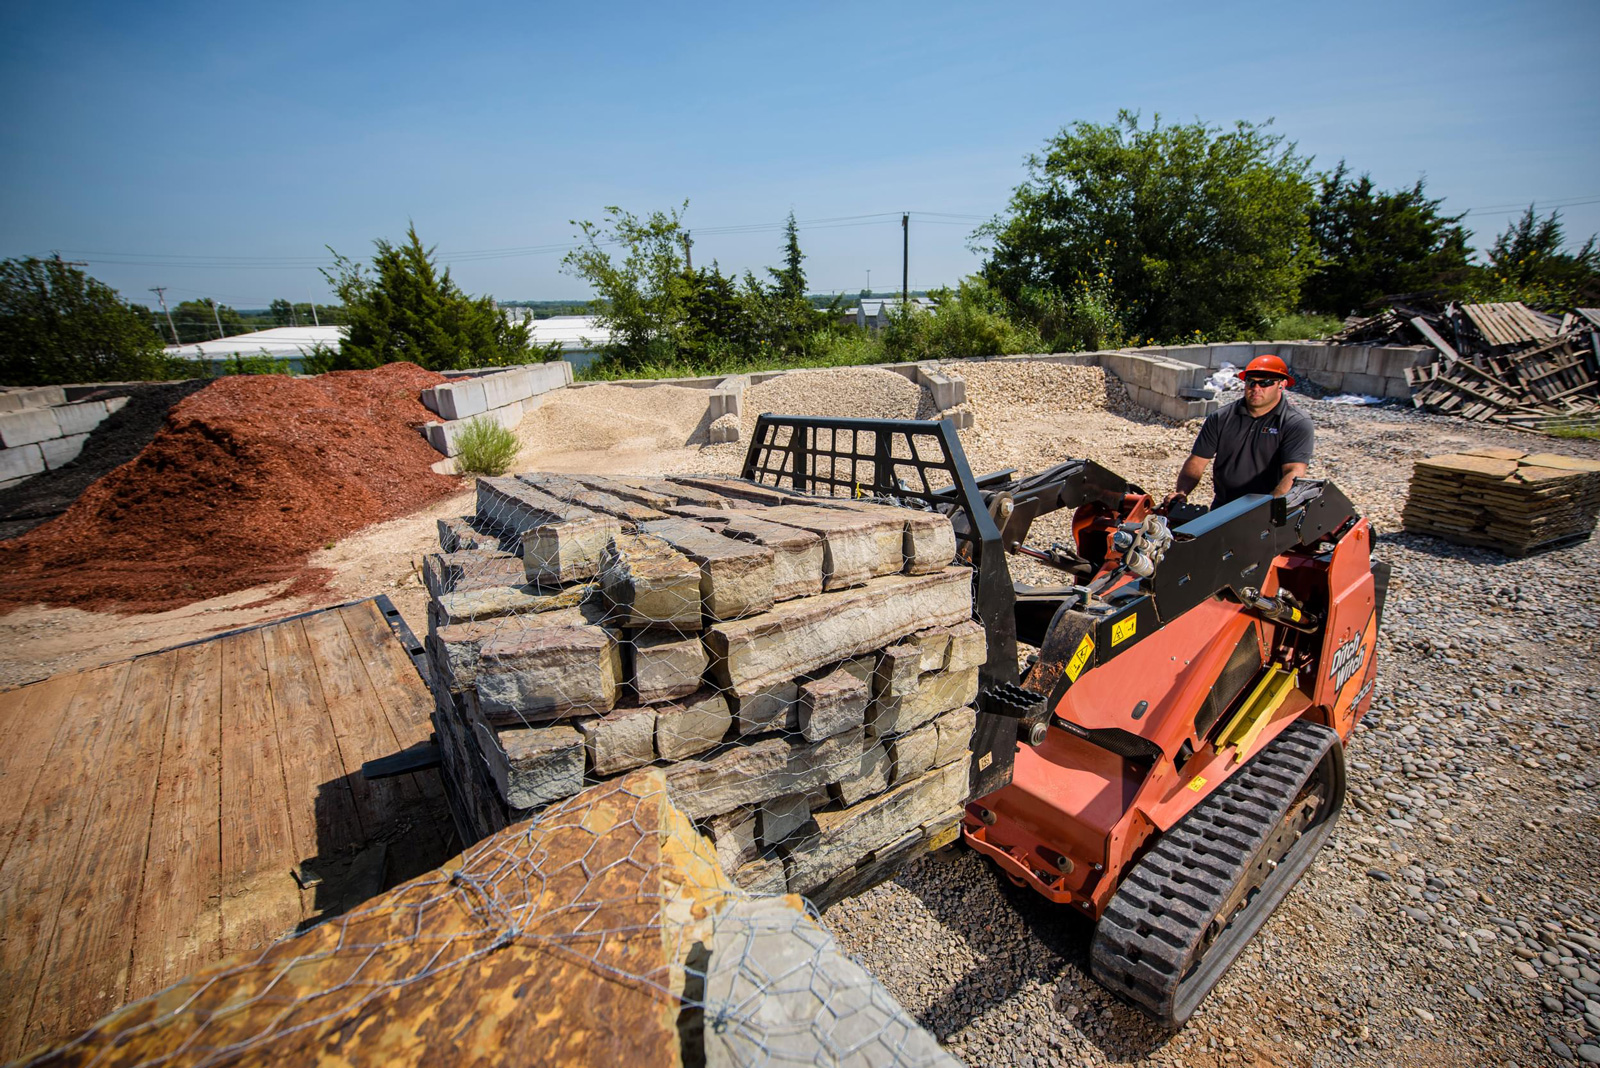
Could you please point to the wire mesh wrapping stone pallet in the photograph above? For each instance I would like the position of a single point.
(1504, 499)
(803, 669)
(1503, 363)
(603, 932)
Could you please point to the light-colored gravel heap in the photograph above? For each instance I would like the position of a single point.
(852, 392)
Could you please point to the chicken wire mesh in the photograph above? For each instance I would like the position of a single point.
(674, 716)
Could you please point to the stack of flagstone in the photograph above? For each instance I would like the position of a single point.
(802, 669)
(1504, 499)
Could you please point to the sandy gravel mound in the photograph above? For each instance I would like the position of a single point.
(616, 417)
(853, 392)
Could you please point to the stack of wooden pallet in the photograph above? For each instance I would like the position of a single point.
(1504, 499)
(803, 669)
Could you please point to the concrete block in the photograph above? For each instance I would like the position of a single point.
(460, 400)
(10, 400)
(495, 393)
(1392, 361)
(15, 400)
(728, 398)
(780, 817)
(1237, 353)
(21, 462)
(1367, 385)
(646, 583)
(620, 740)
(544, 377)
(58, 452)
(116, 404)
(800, 636)
(1303, 358)
(961, 418)
(834, 703)
(1396, 388)
(689, 727)
(1170, 376)
(1136, 371)
(947, 391)
(1266, 348)
(663, 667)
(28, 427)
(1330, 380)
(80, 418)
(1350, 359)
(1199, 355)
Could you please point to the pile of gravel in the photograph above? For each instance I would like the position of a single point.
(846, 392)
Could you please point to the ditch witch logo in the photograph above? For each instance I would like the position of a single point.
(1347, 661)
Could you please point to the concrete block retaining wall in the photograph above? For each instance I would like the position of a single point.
(502, 395)
(40, 432)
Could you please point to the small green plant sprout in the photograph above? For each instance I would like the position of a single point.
(484, 447)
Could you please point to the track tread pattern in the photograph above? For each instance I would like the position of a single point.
(1145, 939)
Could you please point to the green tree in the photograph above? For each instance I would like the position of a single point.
(1375, 244)
(1195, 227)
(641, 300)
(971, 320)
(1527, 262)
(407, 309)
(58, 325)
(283, 313)
(790, 279)
(196, 320)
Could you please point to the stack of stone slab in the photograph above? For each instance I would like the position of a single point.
(1504, 499)
(803, 669)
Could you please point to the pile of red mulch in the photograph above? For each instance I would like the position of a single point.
(248, 477)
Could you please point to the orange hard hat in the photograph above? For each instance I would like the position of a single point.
(1270, 365)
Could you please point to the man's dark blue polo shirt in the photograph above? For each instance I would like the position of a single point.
(1250, 451)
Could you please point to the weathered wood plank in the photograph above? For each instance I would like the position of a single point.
(85, 973)
(178, 918)
(30, 719)
(260, 899)
(36, 871)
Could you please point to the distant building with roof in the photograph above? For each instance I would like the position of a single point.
(874, 313)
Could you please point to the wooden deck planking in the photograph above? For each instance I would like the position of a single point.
(260, 899)
(86, 970)
(407, 704)
(178, 919)
(154, 809)
(29, 727)
(49, 838)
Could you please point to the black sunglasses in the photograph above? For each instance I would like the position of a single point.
(1261, 380)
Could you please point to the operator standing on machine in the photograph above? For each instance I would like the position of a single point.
(1261, 442)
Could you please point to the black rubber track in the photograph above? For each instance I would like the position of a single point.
(1148, 939)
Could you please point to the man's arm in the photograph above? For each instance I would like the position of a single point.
(1189, 478)
(1290, 473)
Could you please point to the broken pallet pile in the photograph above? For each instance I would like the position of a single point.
(1502, 363)
(803, 669)
(1504, 499)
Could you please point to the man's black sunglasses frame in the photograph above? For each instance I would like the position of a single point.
(1260, 380)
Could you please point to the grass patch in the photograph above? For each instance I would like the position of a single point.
(1302, 326)
(845, 350)
(484, 447)
(1581, 431)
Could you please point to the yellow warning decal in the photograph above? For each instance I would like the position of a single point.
(944, 837)
(1123, 629)
(1196, 783)
(984, 761)
(1080, 658)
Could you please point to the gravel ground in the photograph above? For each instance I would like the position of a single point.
(1452, 919)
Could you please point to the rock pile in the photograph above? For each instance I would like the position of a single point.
(802, 669)
(1504, 498)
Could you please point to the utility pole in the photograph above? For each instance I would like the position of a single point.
(688, 252)
(161, 295)
(318, 322)
(216, 310)
(869, 281)
(68, 263)
(905, 262)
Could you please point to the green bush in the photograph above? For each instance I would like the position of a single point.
(970, 321)
(484, 447)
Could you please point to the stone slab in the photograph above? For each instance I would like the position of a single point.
(789, 997)
(870, 777)
(457, 532)
(691, 726)
(956, 728)
(533, 766)
(646, 583)
(662, 667)
(577, 492)
(739, 490)
(622, 739)
(736, 577)
(779, 818)
(846, 837)
(752, 654)
(856, 546)
(469, 569)
(751, 773)
(913, 753)
(936, 692)
(796, 554)
(455, 648)
(543, 672)
(771, 708)
(495, 602)
(834, 703)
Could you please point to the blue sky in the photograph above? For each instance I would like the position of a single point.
(217, 150)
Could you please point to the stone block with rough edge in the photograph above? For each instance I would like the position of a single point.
(545, 672)
(620, 740)
(856, 546)
(455, 647)
(913, 753)
(834, 703)
(690, 726)
(665, 666)
(494, 602)
(751, 773)
(646, 583)
(872, 776)
(578, 492)
(955, 728)
(568, 551)
(736, 577)
(779, 818)
(762, 876)
(772, 708)
(929, 543)
(796, 553)
(733, 834)
(846, 837)
(458, 532)
(533, 766)
(793, 638)
(469, 569)
(936, 692)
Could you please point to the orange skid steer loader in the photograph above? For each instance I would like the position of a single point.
(1171, 759)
